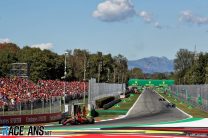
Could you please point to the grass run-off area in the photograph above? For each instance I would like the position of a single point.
(118, 109)
(193, 111)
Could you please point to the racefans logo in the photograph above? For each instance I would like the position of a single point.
(22, 131)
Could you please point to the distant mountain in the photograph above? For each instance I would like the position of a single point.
(152, 64)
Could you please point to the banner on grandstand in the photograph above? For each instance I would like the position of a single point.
(29, 119)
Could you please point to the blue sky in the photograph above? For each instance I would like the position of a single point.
(134, 28)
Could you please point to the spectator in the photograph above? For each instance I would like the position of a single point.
(18, 90)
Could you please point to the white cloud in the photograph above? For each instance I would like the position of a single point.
(43, 46)
(114, 10)
(146, 16)
(157, 25)
(188, 16)
(5, 40)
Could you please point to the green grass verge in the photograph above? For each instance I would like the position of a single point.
(126, 103)
(194, 111)
(119, 109)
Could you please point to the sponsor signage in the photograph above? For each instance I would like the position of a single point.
(29, 119)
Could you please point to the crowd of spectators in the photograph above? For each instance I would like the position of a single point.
(19, 90)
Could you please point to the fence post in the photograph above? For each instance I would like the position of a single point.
(50, 105)
(20, 109)
(31, 107)
(206, 103)
(182, 96)
(189, 102)
(199, 100)
(3, 109)
(169, 93)
(176, 98)
(89, 94)
(60, 104)
(43, 105)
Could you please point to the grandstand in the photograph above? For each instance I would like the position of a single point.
(15, 91)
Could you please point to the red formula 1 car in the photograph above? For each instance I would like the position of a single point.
(78, 117)
(79, 120)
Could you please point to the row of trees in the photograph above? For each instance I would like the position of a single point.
(137, 73)
(45, 64)
(191, 67)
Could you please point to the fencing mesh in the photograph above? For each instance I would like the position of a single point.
(100, 90)
(52, 105)
(194, 95)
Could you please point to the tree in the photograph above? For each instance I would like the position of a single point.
(184, 60)
(200, 70)
(159, 76)
(120, 68)
(76, 63)
(135, 73)
(45, 64)
(206, 76)
(8, 55)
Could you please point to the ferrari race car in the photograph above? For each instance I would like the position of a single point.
(78, 120)
(78, 117)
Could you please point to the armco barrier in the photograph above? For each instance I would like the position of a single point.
(100, 90)
(29, 119)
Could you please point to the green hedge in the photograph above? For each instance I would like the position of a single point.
(100, 102)
(110, 104)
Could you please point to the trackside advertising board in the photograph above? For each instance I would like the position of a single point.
(150, 82)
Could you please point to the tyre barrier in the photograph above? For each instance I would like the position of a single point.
(101, 102)
(29, 119)
(110, 104)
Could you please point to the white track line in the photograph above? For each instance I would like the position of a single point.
(133, 105)
(190, 116)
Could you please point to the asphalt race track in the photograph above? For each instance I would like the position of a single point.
(147, 110)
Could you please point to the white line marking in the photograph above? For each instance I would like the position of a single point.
(134, 104)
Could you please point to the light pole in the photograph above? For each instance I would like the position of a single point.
(114, 75)
(65, 54)
(99, 69)
(108, 75)
(84, 79)
(122, 81)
